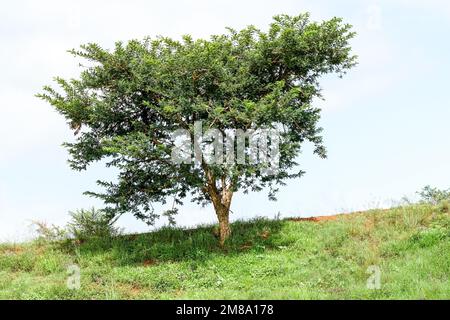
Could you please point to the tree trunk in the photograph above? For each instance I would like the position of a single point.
(221, 200)
(222, 204)
(223, 214)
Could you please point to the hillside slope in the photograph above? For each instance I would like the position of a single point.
(265, 259)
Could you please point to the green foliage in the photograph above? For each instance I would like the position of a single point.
(434, 196)
(127, 102)
(86, 224)
(47, 232)
(264, 259)
(83, 225)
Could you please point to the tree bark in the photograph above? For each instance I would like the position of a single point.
(222, 202)
(223, 216)
(221, 199)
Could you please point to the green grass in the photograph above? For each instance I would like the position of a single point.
(264, 259)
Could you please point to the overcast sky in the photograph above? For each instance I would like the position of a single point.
(386, 123)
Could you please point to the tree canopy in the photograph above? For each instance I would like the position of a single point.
(128, 101)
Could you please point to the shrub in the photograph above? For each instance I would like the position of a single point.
(433, 196)
(49, 232)
(92, 223)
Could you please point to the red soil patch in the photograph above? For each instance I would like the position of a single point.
(315, 219)
(11, 250)
(331, 217)
(318, 218)
(150, 262)
(132, 291)
(246, 246)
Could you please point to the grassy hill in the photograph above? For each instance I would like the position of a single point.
(265, 259)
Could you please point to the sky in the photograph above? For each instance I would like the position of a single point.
(386, 123)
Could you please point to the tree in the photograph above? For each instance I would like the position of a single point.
(433, 196)
(127, 103)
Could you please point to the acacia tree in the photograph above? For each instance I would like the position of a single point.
(127, 102)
